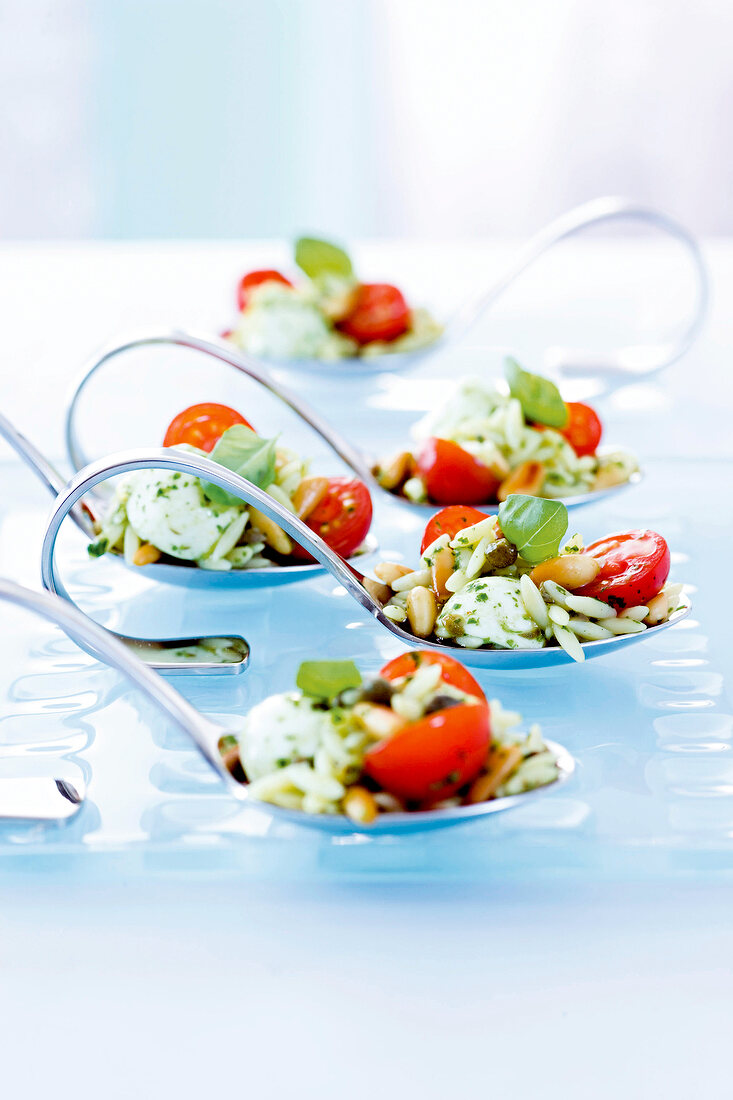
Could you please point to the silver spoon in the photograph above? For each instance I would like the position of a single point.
(37, 798)
(207, 735)
(352, 580)
(627, 365)
(359, 462)
(191, 655)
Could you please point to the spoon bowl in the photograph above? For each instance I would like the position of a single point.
(207, 735)
(628, 364)
(343, 571)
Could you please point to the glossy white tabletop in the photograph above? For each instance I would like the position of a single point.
(143, 986)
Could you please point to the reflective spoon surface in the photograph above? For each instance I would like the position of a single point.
(628, 364)
(207, 735)
(228, 654)
(344, 572)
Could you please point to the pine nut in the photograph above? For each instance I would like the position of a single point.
(359, 805)
(422, 611)
(441, 569)
(378, 591)
(389, 571)
(273, 535)
(392, 474)
(569, 570)
(309, 495)
(146, 554)
(658, 609)
(527, 480)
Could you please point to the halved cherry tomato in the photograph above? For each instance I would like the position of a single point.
(583, 429)
(451, 671)
(432, 758)
(342, 518)
(452, 475)
(449, 521)
(634, 568)
(202, 426)
(379, 312)
(256, 278)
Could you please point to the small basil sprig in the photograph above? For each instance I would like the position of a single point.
(539, 397)
(327, 679)
(316, 258)
(534, 525)
(245, 453)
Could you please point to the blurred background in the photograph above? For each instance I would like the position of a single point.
(367, 118)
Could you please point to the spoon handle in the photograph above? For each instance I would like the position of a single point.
(225, 353)
(170, 458)
(628, 361)
(103, 645)
(46, 473)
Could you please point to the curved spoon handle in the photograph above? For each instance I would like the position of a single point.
(103, 645)
(241, 361)
(628, 361)
(47, 474)
(170, 458)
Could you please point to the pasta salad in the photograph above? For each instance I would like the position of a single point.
(421, 736)
(484, 444)
(173, 516)
(514, 581)
(327, 312)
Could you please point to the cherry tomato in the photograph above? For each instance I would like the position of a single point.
(202, 426)
(449, 521)
(432, 758)
(451, 671)
(634, 567)
(256, 278)
(583, 430)
(454, 476)
(379, 312)
(342, 518)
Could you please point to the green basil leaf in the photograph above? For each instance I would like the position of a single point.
(245, 453)
(326, 679)
(539, 397)
(321, 258)
(534, 525)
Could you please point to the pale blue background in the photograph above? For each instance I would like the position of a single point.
(359, 118)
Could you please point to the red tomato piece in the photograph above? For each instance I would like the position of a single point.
(449, 521)
(583, 429)
(454, 476)
(634, 568)
(378, 312)
(342, 518)
(202, 426)
(451, 671)
(432, 758)
(256, 278)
